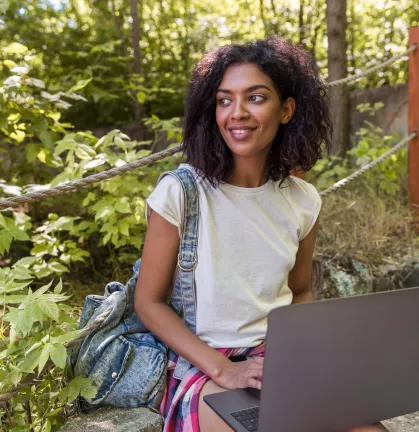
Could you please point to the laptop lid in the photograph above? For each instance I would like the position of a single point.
(336, 364)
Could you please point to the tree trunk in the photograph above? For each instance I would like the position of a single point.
(139, 108)
(262, 17)
(337, 67)
(275, 25)
(301, 23)
(118, 20)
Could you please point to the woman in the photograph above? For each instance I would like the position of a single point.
(254, 113)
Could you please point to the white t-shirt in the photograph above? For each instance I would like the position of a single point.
(248, 240)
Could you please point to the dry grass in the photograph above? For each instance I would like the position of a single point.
(366, 227)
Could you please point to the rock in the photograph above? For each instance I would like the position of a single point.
(116, 420)
(382, 284)
(411, 277)
(350, 279)
(407, 423)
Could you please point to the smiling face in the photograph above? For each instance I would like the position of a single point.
(249, 110)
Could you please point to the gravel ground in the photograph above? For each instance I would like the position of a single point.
(407, 423)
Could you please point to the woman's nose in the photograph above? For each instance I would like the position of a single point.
(239, 111)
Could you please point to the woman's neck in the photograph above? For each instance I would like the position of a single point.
(248, 172)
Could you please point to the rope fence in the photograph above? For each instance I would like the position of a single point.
(87, 181)
(356, 77)
(368, 166)
(75, 185)
(114, 172)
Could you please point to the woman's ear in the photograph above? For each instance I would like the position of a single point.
(287, 110)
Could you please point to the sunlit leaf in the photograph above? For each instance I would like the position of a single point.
(58, 355)
(15, 47)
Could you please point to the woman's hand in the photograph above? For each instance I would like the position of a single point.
(241, 374)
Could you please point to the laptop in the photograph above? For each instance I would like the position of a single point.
(332, 365)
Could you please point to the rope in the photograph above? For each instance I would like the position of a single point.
(87, 181)
(352, 78)
(368, 166)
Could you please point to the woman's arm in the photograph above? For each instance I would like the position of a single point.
(154, 285)
(299, 278)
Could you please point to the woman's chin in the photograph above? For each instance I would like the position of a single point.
(246, 149)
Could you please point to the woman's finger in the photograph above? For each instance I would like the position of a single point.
(251, 382)
(256, 370)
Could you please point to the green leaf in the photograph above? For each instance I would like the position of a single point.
(48, 307)
(49, 158)
(91, 152)
(81, 153)
(3, 119)
(59, 287)
(70, 393)
(57, 267)
(6, 239)
(27, 316)
(41, 290)
(15, 376)
(122, 205)
(80, 84)
(17, 233)
(43, 358)
(65, 144)
(85, 387)
(31, 361)
(15, 48)
(4, 5)
(123, 226)
(3, 221)
(58, 355)
(12, 299)
(47, 426)
(56, 297)
(141, 97)
(66, 337)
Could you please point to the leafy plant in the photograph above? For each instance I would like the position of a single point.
(35, 324)
(385, 178)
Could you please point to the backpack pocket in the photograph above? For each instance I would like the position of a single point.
(130, 373)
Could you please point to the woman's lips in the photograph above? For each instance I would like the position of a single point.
(241, 134)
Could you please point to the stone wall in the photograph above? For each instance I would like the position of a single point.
(392, 118)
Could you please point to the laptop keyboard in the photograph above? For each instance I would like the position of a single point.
(248, 418)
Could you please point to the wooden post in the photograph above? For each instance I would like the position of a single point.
(414, 125)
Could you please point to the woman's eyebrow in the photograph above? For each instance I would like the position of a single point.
(248, 90)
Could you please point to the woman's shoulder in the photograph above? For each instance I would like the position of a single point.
(298, 189)
(305, 201)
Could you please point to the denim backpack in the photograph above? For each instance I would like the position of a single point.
(127, 362)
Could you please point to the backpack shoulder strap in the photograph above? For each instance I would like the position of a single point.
(188, 257)
(183, 299)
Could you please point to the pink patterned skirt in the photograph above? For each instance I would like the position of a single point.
(179, 406)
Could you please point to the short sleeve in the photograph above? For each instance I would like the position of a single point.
(307, 204)
(167, 201)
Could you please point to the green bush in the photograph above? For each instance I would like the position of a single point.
(36, 321)
(385, 179)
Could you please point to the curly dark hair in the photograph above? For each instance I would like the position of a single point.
(297, 145)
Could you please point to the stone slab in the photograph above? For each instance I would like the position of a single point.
(407, 423)
(116, 420)
(144, 420)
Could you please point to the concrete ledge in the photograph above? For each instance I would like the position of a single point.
(144, 420)
(407, 423)
(116, 420)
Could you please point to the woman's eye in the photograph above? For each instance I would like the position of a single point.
(257, 98)
(223, 101)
